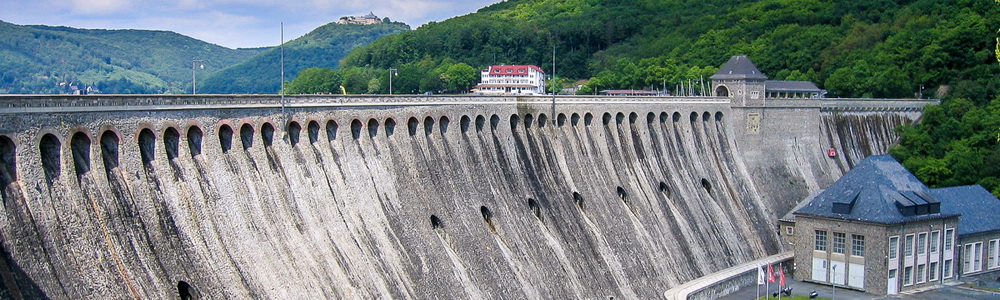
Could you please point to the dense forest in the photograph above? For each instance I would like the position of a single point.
(878, 48)
(324, 47)
(45, 59)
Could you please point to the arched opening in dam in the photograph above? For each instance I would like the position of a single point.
(194, 136)
(312, 131)
(574, 119)
(390, 127)
(267, 134)
(49, 148)
(443, 124)
(225, 138)
(293, 131)
(147, 146)
(372, 128)
(463, 124)
(542, 119)
(246, 136)
(535, 208)
(560, 120)
(356, 129)
(331, 131)
(428, 125)
(436, 222)
(184, 290)
(80, 145)
(480, 122)
(494, 122)
(8, 163)
(109, 149)
(171, 142)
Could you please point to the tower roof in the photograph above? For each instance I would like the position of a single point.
(739, 67)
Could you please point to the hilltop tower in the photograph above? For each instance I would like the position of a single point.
(741, 81)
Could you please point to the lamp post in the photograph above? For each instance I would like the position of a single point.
(392, 72)
(834, 283)
(194, 74)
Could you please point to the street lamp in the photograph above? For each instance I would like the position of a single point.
(194, 74)
(392, 72)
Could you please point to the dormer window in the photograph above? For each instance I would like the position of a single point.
(510, 71)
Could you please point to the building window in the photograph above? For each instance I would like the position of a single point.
(907, 275)
(857, 245)
(789, 230)
(754, 94)
(922, 243)
(820, 240)
(908, 246)
(932, 271)
(893, 247)
(947, 269)
(994, 258)
(839, 242)
(934, 241)
(920, 273)
(948, 234)
(972, 258)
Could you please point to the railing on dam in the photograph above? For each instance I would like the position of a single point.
(76, 103)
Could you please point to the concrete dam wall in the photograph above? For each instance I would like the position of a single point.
(406, 197)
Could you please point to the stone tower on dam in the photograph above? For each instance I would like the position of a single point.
(407, 197)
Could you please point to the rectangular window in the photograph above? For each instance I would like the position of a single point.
(978, 259)
(922, 243)
(893, 247)
(907, 275)
(948, 234)
(839, 242)
(754, 94)
(920, 273)
(908, 246)
(935, 239)
(992, 260)
(857, 245)
(947, 269)
(789, 230)
(967, 258)
(932, 271)
(820, 240)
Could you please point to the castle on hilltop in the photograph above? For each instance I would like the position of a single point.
(369, 19)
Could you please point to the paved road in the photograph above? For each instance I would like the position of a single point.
(803, 288)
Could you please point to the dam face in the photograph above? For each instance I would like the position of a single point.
(407, 197)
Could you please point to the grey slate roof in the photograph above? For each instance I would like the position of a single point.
(979, 208)
(739, 67)
(790, 86)
(873, 192)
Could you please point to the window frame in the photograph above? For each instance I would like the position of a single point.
(857, 245)
(908, 245)
(839, 239)
(893, 247)
(818, 243)
(908, 276)
(935, 240)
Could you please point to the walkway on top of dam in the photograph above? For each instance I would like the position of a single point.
(11, 104)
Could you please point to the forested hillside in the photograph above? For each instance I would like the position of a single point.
(44, 59)
(323, 47)
(878, 48)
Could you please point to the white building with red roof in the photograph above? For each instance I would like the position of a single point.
(511, 80)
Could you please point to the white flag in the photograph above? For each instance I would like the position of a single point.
(760, 275)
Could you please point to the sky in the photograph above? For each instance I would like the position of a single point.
(229, 23)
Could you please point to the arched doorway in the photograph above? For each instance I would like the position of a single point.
(721, 91)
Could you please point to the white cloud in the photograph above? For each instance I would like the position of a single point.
(100, 7)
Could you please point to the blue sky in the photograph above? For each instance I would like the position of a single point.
(229, 23)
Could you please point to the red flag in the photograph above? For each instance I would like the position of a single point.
(781, 275)
(770, 273)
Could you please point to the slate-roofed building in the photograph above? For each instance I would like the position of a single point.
(742, 81)
(881, 230)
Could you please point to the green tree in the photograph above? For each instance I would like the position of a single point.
(461, 77)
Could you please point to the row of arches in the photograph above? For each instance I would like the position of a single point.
(109, 139)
